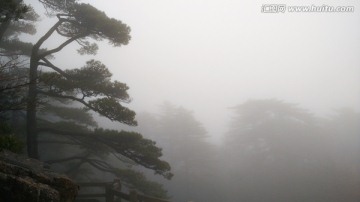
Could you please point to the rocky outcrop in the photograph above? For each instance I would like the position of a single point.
(23, 179)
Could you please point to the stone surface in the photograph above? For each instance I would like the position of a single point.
(24, 179)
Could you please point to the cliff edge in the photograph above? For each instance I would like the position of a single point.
(24, 179)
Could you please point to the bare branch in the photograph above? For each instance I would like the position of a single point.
(52, 66)
(46, 36)
(13, 87)
(67, 97)
(59, 48)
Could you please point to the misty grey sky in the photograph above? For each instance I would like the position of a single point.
(210, 55)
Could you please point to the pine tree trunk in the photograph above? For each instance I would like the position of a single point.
(31, 124)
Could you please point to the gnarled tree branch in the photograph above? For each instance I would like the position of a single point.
(59, 48)
(52, 66)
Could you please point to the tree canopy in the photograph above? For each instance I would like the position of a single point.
(77, 23)
(52, 89)
(16, 18)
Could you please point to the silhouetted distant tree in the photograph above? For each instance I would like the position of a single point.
(184, 141)
(270, 128)
(343, 129)
(278, 147)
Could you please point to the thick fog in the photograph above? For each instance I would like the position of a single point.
(246, 105)
(211, 55)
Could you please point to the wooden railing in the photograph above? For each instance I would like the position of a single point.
(112, 193)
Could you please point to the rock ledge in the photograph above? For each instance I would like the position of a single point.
(24, 179)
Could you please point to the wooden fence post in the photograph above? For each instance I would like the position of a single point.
(117, 189)
(133, 196)
(109, 193)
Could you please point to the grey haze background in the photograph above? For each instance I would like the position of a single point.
(209, 55)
